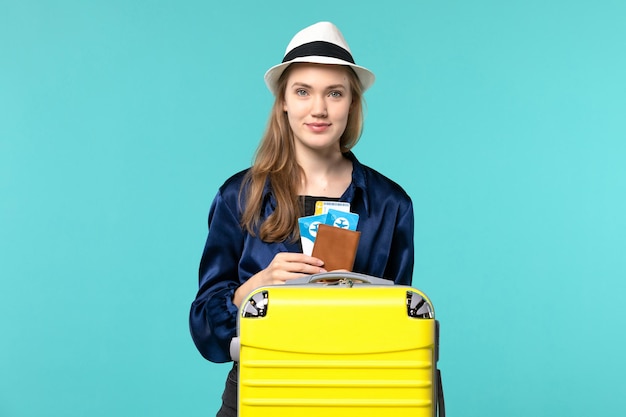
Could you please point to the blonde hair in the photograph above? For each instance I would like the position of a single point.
(275, 162)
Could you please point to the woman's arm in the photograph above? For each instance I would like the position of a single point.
(213, 316)
(401, 256)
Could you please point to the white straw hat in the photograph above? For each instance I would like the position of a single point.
(321, 43)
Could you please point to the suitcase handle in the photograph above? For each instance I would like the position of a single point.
(340, 278)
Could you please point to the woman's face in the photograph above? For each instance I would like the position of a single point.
(317, 102)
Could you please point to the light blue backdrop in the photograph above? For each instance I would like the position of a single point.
(505, 121)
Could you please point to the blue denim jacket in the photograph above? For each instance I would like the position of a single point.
(231, 255)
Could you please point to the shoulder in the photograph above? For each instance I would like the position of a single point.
(375, 183)
(229, 192)
(376, 179)
(233, 184)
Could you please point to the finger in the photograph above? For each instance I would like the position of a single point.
(298, 257)
(304, 268)
(294, 275)
(297, 270)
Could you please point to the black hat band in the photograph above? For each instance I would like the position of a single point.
(319, 48)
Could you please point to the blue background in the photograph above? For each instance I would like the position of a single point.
(505, 122)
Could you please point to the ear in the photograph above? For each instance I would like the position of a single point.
(284, 102)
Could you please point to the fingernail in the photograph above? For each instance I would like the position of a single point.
(322, 270)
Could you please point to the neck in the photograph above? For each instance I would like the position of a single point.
(325, 175)
(316, 164)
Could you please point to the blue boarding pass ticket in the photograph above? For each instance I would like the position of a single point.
(308, 231)
(342, 219)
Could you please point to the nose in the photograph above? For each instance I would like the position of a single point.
(318, 108)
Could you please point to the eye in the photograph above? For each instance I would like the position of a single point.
(336, 94)
(301, 92)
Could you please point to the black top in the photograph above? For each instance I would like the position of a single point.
(309, 203)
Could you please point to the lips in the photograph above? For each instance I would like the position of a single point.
(318, 127)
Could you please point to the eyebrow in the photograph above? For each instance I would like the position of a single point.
(330, 87)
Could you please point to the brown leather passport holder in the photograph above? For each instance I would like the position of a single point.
(336, 247)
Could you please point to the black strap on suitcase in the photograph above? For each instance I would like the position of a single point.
(441, 405)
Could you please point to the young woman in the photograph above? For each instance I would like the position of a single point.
(304, 156)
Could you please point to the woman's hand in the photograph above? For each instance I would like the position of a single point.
(284, 267)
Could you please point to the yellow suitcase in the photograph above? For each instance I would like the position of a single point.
(338, 345)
